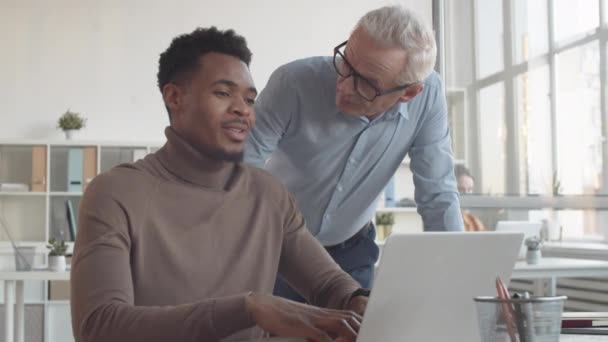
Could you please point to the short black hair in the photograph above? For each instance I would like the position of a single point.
(182, 56)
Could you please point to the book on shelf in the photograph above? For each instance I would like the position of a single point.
(39, 168)
(59, 225)
(14, 187)
(75, 163)
(71, 219)
(89, 166)
(584, 319)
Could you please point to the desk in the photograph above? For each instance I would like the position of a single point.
(562, 338)
(549, 269)
(13, 295)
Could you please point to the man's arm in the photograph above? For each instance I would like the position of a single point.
(433, 168)
(102, 290)
(274, 108)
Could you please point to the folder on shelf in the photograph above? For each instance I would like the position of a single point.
(71, 219)
(75, 163)
(38, 168)
(89, 166)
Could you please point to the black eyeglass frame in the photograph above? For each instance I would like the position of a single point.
(358, 77)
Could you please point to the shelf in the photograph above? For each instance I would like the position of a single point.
(65, 193)
(27, 143)
(21, 193)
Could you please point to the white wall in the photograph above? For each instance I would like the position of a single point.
(100, 57)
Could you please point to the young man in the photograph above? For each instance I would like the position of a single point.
(185, 245)
(334, 131)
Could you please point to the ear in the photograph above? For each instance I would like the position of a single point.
(173, 97)
(411, 92)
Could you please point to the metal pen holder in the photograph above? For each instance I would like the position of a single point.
(534, 319)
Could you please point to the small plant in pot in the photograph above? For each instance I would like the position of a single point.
(533, 254)
(384, 225)
(71, 122)
(58, 249)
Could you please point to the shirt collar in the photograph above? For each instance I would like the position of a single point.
(185, 162)
(403, 110)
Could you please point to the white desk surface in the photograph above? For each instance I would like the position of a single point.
(562, 338)
(34, 275)
(560, 267)
(582, 338)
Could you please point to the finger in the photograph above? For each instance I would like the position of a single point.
(347, 313)
(343, 339)
(337, 326)
(351, 317)
(317, 335)
(353, 320)
(354, 323)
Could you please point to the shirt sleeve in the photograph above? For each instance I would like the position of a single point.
(309, 269)
(432, 165)
(102, 302)
(274, 109)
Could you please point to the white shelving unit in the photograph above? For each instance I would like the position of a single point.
(35, 216)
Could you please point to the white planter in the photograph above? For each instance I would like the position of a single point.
(57, 263)
(70, 133)
(533, 256)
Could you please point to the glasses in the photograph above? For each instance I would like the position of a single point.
(363, 86)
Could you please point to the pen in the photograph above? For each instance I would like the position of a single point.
(520, 318)
(503, 294)
(525, 317)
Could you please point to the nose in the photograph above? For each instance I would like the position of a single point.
(240, 107)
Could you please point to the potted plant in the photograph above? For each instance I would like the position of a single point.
(384, 225)
(533, 254)
(58, 248)
(70, 122)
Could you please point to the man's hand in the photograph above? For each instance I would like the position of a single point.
(357, 304)
(283, 317)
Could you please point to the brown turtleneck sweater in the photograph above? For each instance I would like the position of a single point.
(169, 247)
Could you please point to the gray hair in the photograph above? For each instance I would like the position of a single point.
(396, 26)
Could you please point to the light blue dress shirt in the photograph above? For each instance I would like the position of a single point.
(336, 165)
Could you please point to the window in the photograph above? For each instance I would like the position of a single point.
(573, 18)
(489, 36)
(533, 110)
(535, 123)
(579, 135)
(530, 38)
(493, 134)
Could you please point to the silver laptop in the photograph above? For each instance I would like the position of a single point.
(426, 282)
(529, 228)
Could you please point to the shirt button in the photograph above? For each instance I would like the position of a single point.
(326, 216)
(351, 161)
(339, 187)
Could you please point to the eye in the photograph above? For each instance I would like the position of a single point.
(250, 101)
(221, 93)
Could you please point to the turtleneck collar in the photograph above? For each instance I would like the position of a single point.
(188, 164)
